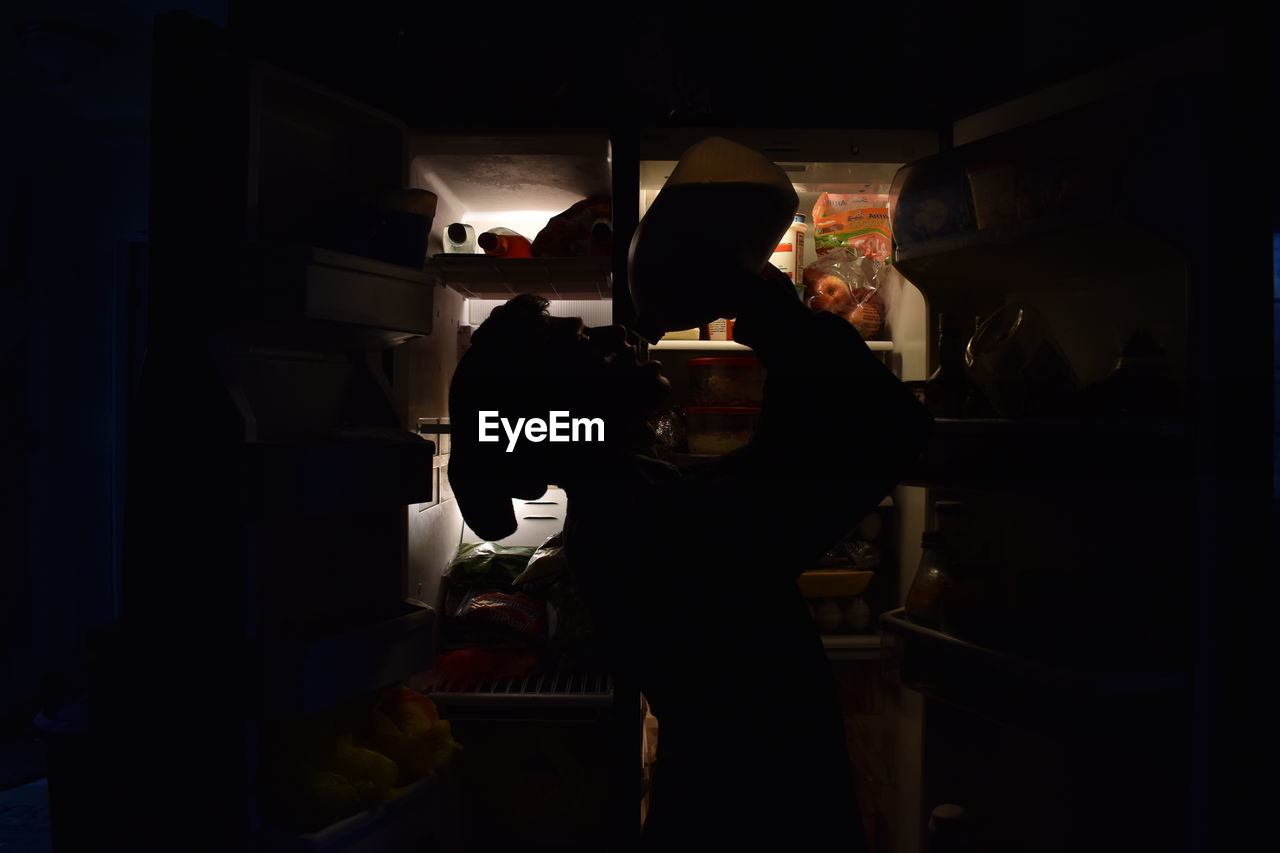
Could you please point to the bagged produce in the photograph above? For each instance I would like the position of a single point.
(406, 727)
(569, 626)
(846, 282)
(499, 619)
(488, 563)
(320, 769)
(857, 221)
(547, 563)
(478, 566)
(585, 229)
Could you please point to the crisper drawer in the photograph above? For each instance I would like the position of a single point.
(306, 677)
(406, 825)
(331, 299)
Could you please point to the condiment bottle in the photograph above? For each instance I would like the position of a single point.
(717, 330)
(504, 243)
(459, 239)
(789, 256)
(601, 244)
(925, 598)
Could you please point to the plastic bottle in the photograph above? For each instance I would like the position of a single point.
(504, 243)
(601, 245)
(679, 265)
(789, 256)
(459, 239)
(926, 597)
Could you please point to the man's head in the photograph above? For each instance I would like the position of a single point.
(522, 367)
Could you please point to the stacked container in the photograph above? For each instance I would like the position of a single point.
(726, 396)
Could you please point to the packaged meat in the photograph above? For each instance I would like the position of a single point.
(584, 229)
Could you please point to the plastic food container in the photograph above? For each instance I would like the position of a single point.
(834, 598)
(713, 430)
(833, 583)
(726, 381)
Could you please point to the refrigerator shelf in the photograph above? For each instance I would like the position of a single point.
(546, 687)
(1012, 689)
(403, 825)
(991, 453)
(301, 678)
(337, 300)
(486, 277)
(851, 647)
(734, 346)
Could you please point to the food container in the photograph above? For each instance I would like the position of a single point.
(714, 430)
(726, 381)
(833, 583)
(834, 598)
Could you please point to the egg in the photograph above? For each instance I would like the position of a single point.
(857, 614)
(828, 615)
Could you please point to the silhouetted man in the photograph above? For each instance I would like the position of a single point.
(691, 574)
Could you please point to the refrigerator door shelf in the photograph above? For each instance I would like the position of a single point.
(853, 647)
(405, 825)
(1038, 453)
(1017, 691)
(311, 479)
(297, 679)
(338, 299)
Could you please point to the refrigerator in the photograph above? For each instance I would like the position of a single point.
(290, 520)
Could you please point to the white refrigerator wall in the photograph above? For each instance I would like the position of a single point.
(422, 370)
